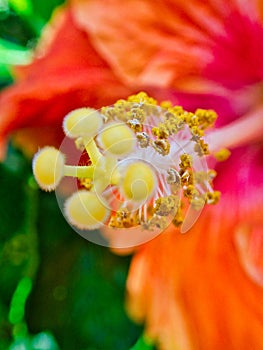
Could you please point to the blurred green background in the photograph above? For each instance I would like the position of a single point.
(57, 291)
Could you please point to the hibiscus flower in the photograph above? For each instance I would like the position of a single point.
(204, 289)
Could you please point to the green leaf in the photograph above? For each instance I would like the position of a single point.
(8, 45)
(5, 75)
(45, 8)
(23, 7)
(143, 344)
(12, 54)
(14, 242)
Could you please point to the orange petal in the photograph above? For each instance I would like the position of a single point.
(143, 40)
(164, 43)
(201, 290)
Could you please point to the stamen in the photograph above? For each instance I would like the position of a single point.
(144, 164)
(222, 154)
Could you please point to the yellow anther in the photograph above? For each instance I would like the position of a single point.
(108, 113)
(125, 219)
(212, 197)
(48, 167)
(186, 161)
(137, 113)
(161, 146)
(173, 177)
(142, 97)
(135, 125)
(171, 127)
(139, 182)
(87, 183)
(222, 154)
(143, 139)
(117, 139)
(173, 122)
(206, 117)
(158, 222)
(197, 133)
(211, 174)
(190, 192)
(165, 206)
(201, 148)
(166, 104)
(170, 116)
(86, 211)
(84, 122)
(178, 110)
(160, 131)
(114, 223)
(178, 218)
(187, 177)
(191, 119)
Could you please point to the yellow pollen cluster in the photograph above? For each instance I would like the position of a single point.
(222, 155)
(142, 164)
(165, 206)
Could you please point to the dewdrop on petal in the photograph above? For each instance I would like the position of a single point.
(139, 182)
(84, 122)
(48, 166)
(117, 139)
(85, 210)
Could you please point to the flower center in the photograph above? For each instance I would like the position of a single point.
(146, 164)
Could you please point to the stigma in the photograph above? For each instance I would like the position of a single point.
(145, 165)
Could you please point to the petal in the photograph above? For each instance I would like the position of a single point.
(166, 43)
(192, 292)
(192, 46)
(30, 139)
(142, 39)
(68, 73)
(237, 62)
(210, 280)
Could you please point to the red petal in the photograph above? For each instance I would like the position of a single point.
(70, 74)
